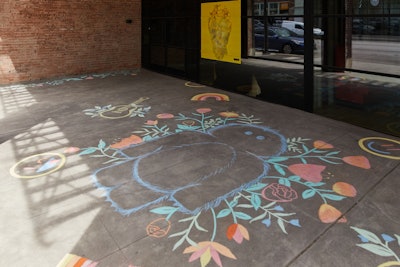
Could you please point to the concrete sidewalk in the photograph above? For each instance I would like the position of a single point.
(142, 169)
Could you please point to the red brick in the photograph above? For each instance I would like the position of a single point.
(44, 39)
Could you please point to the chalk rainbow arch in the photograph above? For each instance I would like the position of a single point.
(71, 260)
(205, 96)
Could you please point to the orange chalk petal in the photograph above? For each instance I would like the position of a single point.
(329, 214)
(203, 110)
(221, 249)
(228, 114)
(344, 189)
(244, 232)
(131, 140)
(230, 232)
(151, 122)
(309, 172)
(322, 145)
(71, 150)
(358, 161)
(165, 116)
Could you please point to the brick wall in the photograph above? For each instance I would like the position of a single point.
(50, 38)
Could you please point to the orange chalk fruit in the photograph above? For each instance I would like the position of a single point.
(344, 189)
(358, 161)
(329, 214)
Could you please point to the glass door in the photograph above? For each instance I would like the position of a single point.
(169, 36)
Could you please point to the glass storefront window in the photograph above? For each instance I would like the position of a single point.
(273, 9)
(355, 65)
(375, 45)
(258, 8)
(359, 80)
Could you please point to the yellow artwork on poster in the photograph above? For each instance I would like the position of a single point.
(221, 31)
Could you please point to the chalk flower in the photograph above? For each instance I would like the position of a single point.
(329, 214)
(208, 250)
(71, 150)
(203, 110)
(309, 172)
(126, 142)
(165, 116)
(279, 193)
(237, 232)
(322, 145)
(151, 122)
(358, 161)
(344, 189)
(229, 114)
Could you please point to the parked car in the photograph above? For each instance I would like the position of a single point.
(298, 27)
(360, 27)
(280, 39)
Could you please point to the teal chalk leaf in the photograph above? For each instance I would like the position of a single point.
(233, 203)
(312, 184)
(256, 187)
(111, 161)
(277, 159)
(305, 149)
(177, 244)
(187, 127)
(367, 235)
(242, 216)
(198, 227)
(147, 138)
(259, 217)
(377, 249)
(333, 197)
(88, 151)
(279, 169)
(164, 210)
(269, 205)
(294, 178)
(179, 234)
(101, 144)
(256, 201)
(309, 193)
(333, 153)
(282, 225)
(284, 181)
(223, 213)
(398, 238)
(246, 206)
(186, 219)
(283, 214)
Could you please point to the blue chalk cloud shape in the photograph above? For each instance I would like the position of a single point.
(193, 170)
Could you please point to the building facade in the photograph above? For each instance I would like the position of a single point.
(44, 39)
(41, 39)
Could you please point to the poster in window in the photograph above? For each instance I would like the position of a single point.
(221, 31)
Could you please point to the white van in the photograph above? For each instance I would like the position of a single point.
(298, 27)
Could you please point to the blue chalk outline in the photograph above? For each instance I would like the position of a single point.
(169, 194)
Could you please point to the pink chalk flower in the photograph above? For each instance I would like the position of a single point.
(237, 232)
(208, 250)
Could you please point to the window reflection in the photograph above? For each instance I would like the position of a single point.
(361, 26)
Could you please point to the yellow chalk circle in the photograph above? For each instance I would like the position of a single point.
(44, 164)
(384, 150)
